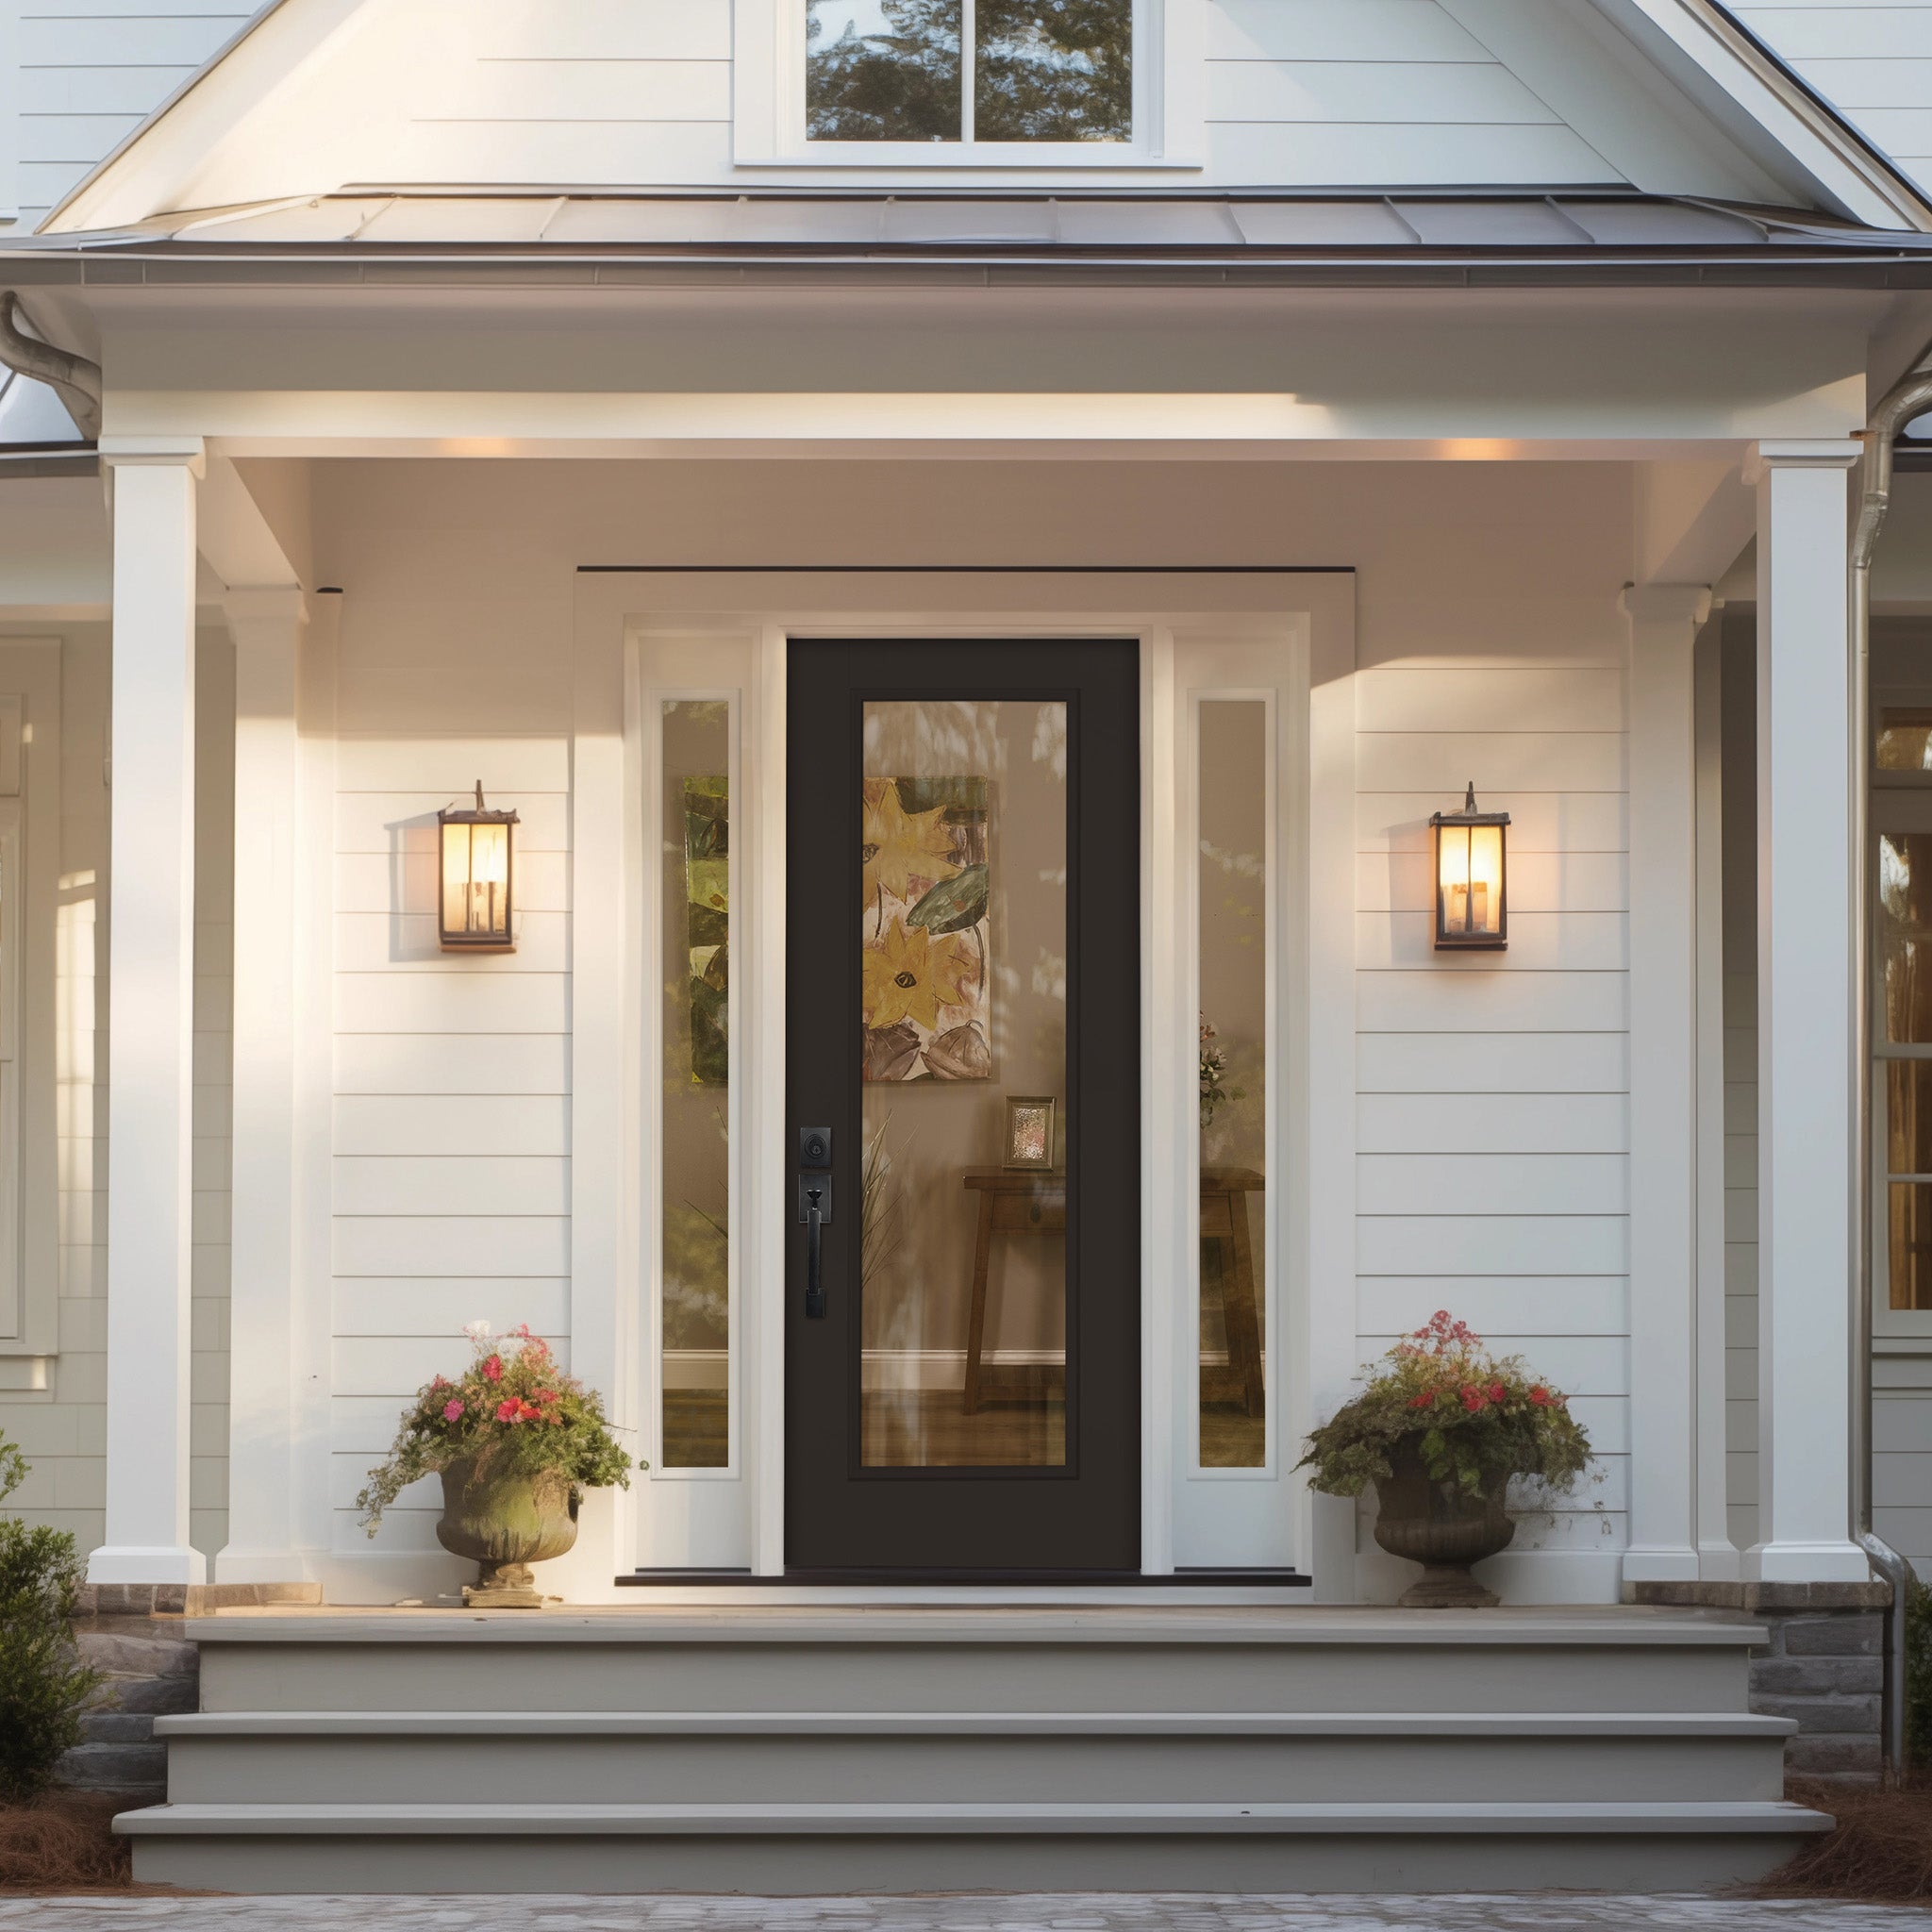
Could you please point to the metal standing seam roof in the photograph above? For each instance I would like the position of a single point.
(1598, 235)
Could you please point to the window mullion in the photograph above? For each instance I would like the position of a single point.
(969, 34)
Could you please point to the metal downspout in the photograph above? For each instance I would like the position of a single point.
(75, 379)
(1910, 397)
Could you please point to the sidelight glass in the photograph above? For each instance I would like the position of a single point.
(1231, 936)
(962, 991)
(694, 900)
(1905, 935)
(1905, 739)
(1041, 69)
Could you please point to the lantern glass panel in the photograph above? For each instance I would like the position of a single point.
(476, 881)
(1469, 881)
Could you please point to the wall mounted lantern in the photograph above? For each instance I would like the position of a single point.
(478, 877)
(1471, 880)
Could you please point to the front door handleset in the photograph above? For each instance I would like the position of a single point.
(814, 1211)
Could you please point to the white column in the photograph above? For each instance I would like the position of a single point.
(1664, 622)
(1804, 964)
(151, 972)
(267, 627)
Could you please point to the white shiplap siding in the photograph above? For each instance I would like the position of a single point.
(92, 71)
(1872, 62)
(1493, 1090)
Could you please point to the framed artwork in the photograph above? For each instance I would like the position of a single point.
(925, 983)
(1029, 1129)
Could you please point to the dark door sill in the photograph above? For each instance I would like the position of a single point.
(1055, 1579)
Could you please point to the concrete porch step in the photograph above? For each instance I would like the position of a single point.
(777, 1848)
(758, 1757)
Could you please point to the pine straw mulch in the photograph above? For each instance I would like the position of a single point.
(1881, 1850)
(63, 1842)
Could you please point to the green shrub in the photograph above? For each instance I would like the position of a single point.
(1919, 1675)
(42, 1684)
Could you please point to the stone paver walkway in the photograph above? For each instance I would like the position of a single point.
(1058, 1912)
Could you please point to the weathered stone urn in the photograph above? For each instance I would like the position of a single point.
(504, 1522)
(1444, 1529)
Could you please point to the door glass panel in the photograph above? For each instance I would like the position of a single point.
(963, 998)
(1907, 1116)
(1232, 936)
(1909, 1245)
(1905, 739)
(1905, 933)
(695, 1337)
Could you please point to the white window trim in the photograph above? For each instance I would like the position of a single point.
(768, 106)
(1895, 808)
(29, 915)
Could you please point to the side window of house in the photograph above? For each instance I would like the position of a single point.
(969, 70)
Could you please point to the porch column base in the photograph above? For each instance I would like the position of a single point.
(1660, 1563)
(1819, 1562)
(235, 1564)
(112, 1564)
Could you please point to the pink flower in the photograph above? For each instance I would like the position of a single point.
(1423, 1400)
(511, 1411)
(492, 1369)
(1541, 1396)
(451, 1410)
(1497, 1393)
(1474, 1399)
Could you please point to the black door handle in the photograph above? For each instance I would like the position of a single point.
(814, 1209)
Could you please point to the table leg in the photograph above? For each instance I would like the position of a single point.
(1237, 1302)
(975, 1326)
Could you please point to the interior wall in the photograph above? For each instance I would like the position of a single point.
(1492, 1111)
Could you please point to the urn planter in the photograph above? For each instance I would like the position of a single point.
(504, 1522)
(1442, 1527)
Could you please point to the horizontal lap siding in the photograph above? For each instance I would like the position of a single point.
(450, 1112)
(1871, 60)
(1492, 1111)
(92, 71)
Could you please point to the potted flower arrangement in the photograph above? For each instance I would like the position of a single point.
(516, 1442)
(1440, 1431)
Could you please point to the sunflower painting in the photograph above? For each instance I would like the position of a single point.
(924, 970)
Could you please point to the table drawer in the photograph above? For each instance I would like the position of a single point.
(1030, 1213)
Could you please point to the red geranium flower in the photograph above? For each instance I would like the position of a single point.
(1497, 1393)
(1541, 1396)
(1423, 1400)
(1474, 1399)
(492, 1369)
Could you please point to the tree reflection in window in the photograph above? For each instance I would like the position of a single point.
(1042, 70)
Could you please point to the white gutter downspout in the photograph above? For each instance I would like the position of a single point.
(1910, 397)
(75, 379)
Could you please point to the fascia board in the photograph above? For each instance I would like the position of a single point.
(129, 184)
(1729, 72)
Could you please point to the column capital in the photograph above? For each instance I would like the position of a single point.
(154, 452)
(1802, 453)
(1686, 604)
(253, 608)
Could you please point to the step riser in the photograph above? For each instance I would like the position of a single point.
(965, 1770)
(1485, 1861)
(863, 1677)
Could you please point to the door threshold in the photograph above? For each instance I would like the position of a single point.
(1095, 1589)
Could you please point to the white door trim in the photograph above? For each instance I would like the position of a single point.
(619, 613)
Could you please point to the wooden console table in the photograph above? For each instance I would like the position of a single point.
(1033, 1201)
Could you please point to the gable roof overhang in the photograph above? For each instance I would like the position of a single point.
(1699, 47)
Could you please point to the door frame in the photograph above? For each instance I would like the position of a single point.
(746, 617)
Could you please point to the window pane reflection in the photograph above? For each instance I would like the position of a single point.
(882, 69)
(1053, 70)
(1910, 1245)
(1905, 739)
(1232, 936)
(963, 935)
(695, 920)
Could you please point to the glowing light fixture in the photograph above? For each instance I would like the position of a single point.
(478, 878)
(1471, 880)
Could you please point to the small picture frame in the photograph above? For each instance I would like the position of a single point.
(1031, 1129)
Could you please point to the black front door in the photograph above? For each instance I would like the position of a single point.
(963, 942)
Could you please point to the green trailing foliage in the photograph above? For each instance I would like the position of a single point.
(513, 1412)
(42, 1683)
(1919, 1675)
(1475, 1417)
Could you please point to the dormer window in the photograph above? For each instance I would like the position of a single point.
(969, 71)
